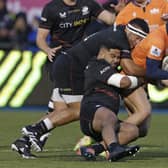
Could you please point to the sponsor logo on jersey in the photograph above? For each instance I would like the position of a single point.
(62, 14)
(74, 11)
(81, 22)
(104, 70)
(134, 14)
(154, 11)
(85, 10)
(155, 51)
(65, 25)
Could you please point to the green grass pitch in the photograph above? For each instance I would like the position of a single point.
(58, 152)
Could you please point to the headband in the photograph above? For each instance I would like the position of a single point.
(136, 31)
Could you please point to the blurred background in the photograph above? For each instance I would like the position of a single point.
(23, 79)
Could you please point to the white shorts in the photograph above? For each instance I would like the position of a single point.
(57, 97)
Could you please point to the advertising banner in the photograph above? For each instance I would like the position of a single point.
(32, 7)
(25, 81)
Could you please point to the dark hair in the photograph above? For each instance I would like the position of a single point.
(141, 23)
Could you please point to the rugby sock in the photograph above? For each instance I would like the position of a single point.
(50, 106)
(48, 123)
(112, 146)
(98, 148)
(43, 126)
(25, 138)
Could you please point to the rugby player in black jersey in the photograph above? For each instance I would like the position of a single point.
(100, 106)
(71, 65)
(67, 22)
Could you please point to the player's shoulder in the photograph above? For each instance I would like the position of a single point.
(158, 36)
(165, 63)
(158, 3)
(53, 4)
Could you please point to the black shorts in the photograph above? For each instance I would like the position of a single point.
(87, 113)
(67, 75)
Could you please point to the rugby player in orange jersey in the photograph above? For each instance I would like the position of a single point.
(153, 11)
(148, 54)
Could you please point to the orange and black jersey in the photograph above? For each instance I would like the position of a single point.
(152, 13)
(67, 23)
(150, 52)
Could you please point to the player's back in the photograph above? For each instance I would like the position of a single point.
(152, 13)
(89, 47)
(154, 46)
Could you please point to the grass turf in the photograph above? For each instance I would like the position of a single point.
(58, 151)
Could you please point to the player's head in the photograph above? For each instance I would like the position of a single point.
(136, 30)
(141, 1)
(112, 56)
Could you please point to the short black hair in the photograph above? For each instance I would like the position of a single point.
(141, 23)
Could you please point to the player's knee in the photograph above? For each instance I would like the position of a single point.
(143, 131)
(146, 112)
(134, 131)
(109, 119)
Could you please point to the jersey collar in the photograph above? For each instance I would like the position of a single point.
(139, 5)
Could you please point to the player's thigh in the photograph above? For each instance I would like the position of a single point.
(138, 101)
(144, 127)
(63, 100)
(68, 76)
(87, 114)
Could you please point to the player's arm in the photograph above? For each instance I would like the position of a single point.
(123, 81)
(154, 71)
(101, 14)
(107, 17)
(41, 41)
(165, 82)
(130, 68)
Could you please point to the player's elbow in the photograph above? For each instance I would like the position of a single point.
(125, 82)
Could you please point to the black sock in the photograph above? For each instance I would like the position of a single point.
(112, 146)
(41, 128)
(98, 148)
(25, 138)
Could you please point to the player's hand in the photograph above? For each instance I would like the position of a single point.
(121, 4)
(165, 82)
(141, 81)
(165, 17)
(51, 52)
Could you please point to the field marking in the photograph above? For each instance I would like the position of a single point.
(71, 150)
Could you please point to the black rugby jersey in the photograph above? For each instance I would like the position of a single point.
(111, 38)
(67, 23)
(96, 88)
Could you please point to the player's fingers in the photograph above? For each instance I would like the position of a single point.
(57, 48)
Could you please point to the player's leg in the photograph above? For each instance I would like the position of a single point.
(67, 99)
(139, 110)
(103, 127)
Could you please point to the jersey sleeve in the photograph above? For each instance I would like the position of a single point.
(46, 20)
(122, 44)
(103, 71)
(96, 8)
(120, 19)
(124, 16)
(156, 46)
